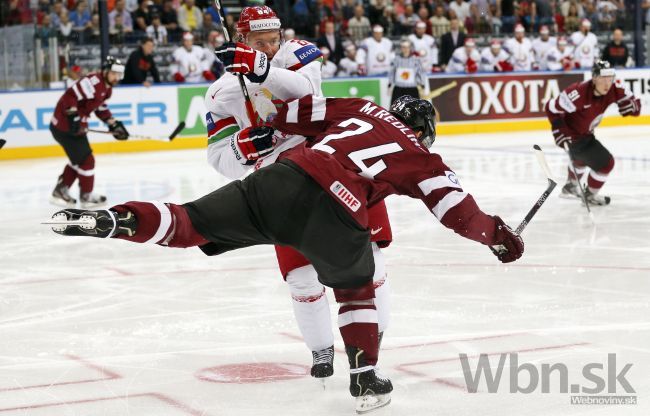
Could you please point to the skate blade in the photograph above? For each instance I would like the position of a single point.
(60, 222)
(61, 202)
(370, 402)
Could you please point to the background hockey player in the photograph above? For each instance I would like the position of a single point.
(375, 53)
(294, 70)
(329, 68)
(465, 59)
(69, 127)
(406, 74)
(494, 58)
(520, 49)
(541, 46)
(424, 46)
(574, 115)
(560, 57)
(585, 45)
(360, 153)
(190, 63)
(349, 67)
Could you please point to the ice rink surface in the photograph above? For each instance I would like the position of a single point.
(95, 327)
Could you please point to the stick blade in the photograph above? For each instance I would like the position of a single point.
(536, 147)
(2, 143)
(177, 130)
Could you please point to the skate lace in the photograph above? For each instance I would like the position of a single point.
(380, 375)
(325, 356)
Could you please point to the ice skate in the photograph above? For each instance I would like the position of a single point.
(91, 200)
(595, 199)
(371, 389)
(61, 195)
(323, 364)
(102, 223)
(570, 190)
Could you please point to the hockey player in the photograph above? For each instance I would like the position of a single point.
(494, 58)
(520, 49)
(585, 45)
(349, 67)
(375, 53)
(406, 73)
(465, 58)
(574, 115)
(294, 71)
(560, 57)
(329, 68)
(424, 46)
(541, 46)
(316, 200)
(190, 62)
(69, 126)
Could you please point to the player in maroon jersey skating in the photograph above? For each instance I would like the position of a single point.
(70, 124)
(574, 115)
(315, 198)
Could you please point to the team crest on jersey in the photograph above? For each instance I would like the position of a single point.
(381, 57)
(342, 193)
(308, 53)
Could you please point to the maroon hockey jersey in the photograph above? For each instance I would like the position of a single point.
(361, 153)
(576, 112)
(88, 95)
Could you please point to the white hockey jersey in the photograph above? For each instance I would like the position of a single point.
(190, 64)
(426, 49)
(521, 53)
(458, 61)
(295, 71)
(348, 68)
(329, 69)
(489, 61)
(541, 48)
(554, 58)
(585, 48)
(376, 56)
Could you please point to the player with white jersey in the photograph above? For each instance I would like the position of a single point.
(424, 46)
(520, 49)
(329, 68)
(585, 45)
(348, 66)
(294, 70)
(560, 57)
(190, 63)
(465, 58)
(541, 46)
(494, 58)
(375, 53)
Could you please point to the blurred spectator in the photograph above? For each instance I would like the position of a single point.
(215, 66)
(520, 49)
(572, 18)
(14, 15)
(465, 58)
(80, 17)
(230, 24)
(481, 16)
(406, 73)
(566, 5)
(349, 67)
(541, 46)
(45, 31)
(300, 17)
(462, 10)
(131, 5)
(320, 14)
(375, 53)
(450, 41)
(607, 12)
(208, 26)
(376, 11)
(213, 12)
(541, 13)
(616, 52)
(646, 6)
(332, 41)
(289, 34)
(358, 25)
(439, 23)
(329, 68)
(118, 32)
(57, 7)
(190, 62)
(424, 47)
(506, 14)
(142, 15)
(423, 14)
(92, 33)
(125, 24)
(348, 9)
(407, 20)
(591, 14)
(560, 57)
(387, 21)
(585, 45)
(157, 31)
(65, 26)
(140, 65)
(190, 17)
(494, 58)
(169, 18)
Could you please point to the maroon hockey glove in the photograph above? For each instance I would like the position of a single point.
(252, 143)
(629, 107)
(471, 66)
(560, 133)
(74, 122)
(242, 59)
(504, 236)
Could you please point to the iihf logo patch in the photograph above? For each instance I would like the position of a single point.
(342, 193)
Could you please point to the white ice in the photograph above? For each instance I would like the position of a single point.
(94, 327)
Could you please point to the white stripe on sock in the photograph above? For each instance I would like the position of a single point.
(358, 316)
(165, 222)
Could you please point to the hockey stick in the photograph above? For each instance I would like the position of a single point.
(582, 190)
(439, 91)
(250, 110)
(538, 204)
(169, 138)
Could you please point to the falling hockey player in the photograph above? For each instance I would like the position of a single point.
(574, 115)
(315, 198)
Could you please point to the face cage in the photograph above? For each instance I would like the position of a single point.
(428, 134)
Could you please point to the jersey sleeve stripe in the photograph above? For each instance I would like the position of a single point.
(292, 111)
(429, 185)
(87, 88)
(318, 108)
(75, 88)
(448, 202)
(552, 106)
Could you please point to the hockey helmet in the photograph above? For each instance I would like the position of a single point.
(602, 69)
(419, 115)
(257, 18)
(113, 64)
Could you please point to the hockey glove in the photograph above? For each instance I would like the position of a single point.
(512, 244)
(209, 76)
(242, 59)
(560, 134)
(118, 130)
(471, 66)
(178, 77)
(74, 121)
(252, 143)
(629, 107)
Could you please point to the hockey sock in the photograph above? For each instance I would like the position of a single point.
(580, 170)
(311, 307)
(69, 175)
(596, 179)
(163, 224)
(358, 321)
(382, 289)
(86, 173)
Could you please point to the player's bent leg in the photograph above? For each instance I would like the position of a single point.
(311, 308)
(571, 189)
(597, 178)
(382, 289)
(86, 174)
